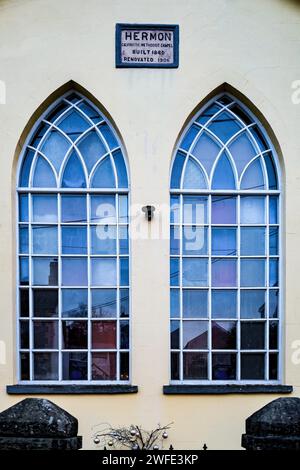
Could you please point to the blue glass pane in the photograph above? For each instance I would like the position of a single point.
(104, 271)
(253, 241)
(253, 273)
(73, 240)
(108, 136)
(90, 111)
(224, 366)
(124, 271)
(57, 111)
(55, 148)
(104, 175)
(273, 303)
(177, 170)
(224, 241)
(123, 240)
(206, 151)
(104, 303)
(273, 210)
(124, 302)
(121, 169)
(73, 175)
(103, 240)
(253, 177)
(194, 210)
(208, 113)
(26, 166)
(242, 151)
(223, 177)
(174, 240)
(259, 138)
(273, 241)
(224, 303)
(252, 210)
(73, 125)
(24, 271)
(39, 134)
(74, 271)
(91, 148)
(194, 272)
(194, 240)
(223, 210)
(224, 126)
(74, 303)
(44, 240)
(253, 303)
(44, 208)
(23, 240)
(174, 210)
(175, 334)
(174, 272)
(271, 171)
(45, 271)
(195, 303)
(189, 137)
(123, 209)
(43, 175)
(273, 273)
(23, 207)
(224, 272)
(103, 209)
(174, 303)
(74, 366)
(193, 176)
(73, 208)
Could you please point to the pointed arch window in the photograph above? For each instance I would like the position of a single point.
(225, 257)
(73, 291)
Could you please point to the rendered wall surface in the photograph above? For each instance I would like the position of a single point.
(254, 47)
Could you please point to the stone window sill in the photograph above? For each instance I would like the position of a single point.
(225, 389)
(32, 389)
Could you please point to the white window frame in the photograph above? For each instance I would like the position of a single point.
(238, 193)
(59, 191)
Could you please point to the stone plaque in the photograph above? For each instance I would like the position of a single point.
(147, 45)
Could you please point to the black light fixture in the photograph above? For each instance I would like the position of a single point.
(149, 211)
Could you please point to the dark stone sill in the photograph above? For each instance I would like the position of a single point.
(32, 389)
(224, 389)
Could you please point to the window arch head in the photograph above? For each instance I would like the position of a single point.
(73, 250)
(224, 147)
(224, 247)
(73, 146)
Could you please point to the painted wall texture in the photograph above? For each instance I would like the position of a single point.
(254, 47)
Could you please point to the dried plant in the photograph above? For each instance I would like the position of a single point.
(132, 437)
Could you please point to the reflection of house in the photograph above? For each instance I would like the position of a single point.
(53, 279)
(222, 338)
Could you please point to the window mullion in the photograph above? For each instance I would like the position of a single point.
(31, 376)
(209, 243)
(60, 330)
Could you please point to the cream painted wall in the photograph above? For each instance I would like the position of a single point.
(254, 46)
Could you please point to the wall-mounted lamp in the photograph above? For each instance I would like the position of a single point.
(149, 211)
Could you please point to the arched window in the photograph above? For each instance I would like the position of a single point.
(225, 214)
(73, 294)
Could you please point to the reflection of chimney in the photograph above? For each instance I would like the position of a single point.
(52, 278)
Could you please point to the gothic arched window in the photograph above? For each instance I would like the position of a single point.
(73, 250)
(225, 214)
